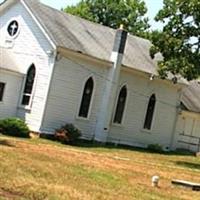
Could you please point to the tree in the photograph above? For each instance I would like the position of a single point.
(113, 13)
(179, 41)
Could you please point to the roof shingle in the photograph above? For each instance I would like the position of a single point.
(80, 35)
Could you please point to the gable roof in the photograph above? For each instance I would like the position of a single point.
(191, 96)
(82, 36)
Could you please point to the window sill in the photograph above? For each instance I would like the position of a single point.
(27, 108)
(118, 125)
(82, 119)
(146, 131)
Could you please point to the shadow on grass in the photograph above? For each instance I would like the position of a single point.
(6, 143)
(94, 144)
(188, 165)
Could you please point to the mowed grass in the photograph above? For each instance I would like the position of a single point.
(41, 169)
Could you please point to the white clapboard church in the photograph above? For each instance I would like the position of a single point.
(56, 68)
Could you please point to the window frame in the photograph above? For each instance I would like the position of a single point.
(81, 97)
(28, 107)
(3, 93)
(153, 116)
(125, 106)
(18, 31)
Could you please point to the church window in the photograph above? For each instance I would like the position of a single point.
(86, 98)
(2, 86)
(150, 112)
(13, 28)
(28, 87)
(120, 105)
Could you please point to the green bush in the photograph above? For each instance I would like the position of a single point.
(155, 148)
(14, 127)
(67, 134)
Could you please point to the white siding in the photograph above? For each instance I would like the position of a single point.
(66, 93)
(8, 107)
(139, 91)
(68, 80)
(30, 46)
(188, 131)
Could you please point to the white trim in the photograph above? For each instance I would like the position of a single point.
(125, 107)
(52, 66)
(146, 130)
(91, 101)
(173, 135)
(28, 107)
(9, 37)
(39, 25)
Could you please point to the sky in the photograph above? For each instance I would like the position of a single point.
(152, 5)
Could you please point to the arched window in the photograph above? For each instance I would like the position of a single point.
(86, 98)
(28, 87)
(150, 112)
(120, 105)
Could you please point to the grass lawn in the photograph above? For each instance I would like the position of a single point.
(41, 169)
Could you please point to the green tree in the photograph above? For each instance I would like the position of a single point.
(113, 13)
(179, 41)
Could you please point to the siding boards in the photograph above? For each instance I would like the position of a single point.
(8, 107)
(188, 124)
(67, 86)
(30, 46)
(66, 92)
(139, 91)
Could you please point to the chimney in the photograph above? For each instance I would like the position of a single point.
(109, 97)
(120, 40)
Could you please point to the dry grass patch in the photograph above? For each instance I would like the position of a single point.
(41, 169)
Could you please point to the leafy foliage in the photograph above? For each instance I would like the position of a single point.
(179, 42)
(14, 127)
(113, 13)
(67, 133)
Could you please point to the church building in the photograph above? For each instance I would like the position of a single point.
(56, 68)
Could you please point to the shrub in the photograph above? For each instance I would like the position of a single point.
(14, 127)
(155, 148)
(67, 133)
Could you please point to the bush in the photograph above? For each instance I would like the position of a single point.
(155, 148)
(14, 127)
(67, 134)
